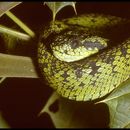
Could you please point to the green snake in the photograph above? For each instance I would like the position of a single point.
(85, 57)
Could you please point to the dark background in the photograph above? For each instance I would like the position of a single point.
(22, 99)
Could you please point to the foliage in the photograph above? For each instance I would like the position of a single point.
(55, 7)
(119, 106)
(5, 6)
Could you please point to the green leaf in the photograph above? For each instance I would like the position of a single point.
(119, 106)
(57, 6)
(66, 113)
(4, 9)
(127, 126)
(5, 6)
(10, 42)
(20, 24)
(12, 37)
(17, 66)
(2, 79)
(3, 122)
(13, 33)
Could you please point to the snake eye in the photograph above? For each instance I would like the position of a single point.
(75, 46)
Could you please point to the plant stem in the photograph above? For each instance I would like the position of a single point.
(14, 33)
(20, 23)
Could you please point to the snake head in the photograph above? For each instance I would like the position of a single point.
(75, 45)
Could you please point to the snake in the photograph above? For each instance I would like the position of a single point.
(85, 57)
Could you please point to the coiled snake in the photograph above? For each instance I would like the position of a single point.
(85, 57)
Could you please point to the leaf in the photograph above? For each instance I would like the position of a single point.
(11, 32)
(65, 116)
(20, 24)
(127, 126)
(10, 40)
(17, 66)
(5, 6)
(66, 113)
(57, 6)
(119, 106)
(3, 122)
(2, 79)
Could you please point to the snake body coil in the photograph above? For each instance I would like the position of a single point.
(92, 76)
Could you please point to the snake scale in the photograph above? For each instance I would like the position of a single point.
(94, 75)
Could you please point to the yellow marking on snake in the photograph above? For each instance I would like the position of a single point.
(95, 73)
